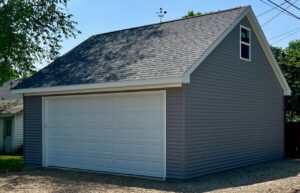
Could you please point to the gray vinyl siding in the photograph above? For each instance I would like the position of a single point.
(174, 135)
(33, 130)
(234, 110)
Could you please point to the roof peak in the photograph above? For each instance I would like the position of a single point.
(175, 20)
(204, 14)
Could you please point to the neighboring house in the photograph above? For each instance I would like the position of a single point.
(177, 99)
(11, 119)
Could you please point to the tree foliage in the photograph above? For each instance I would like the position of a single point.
(31, 31)
(289, 61)
(192, 14)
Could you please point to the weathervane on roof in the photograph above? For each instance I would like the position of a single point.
(161, 13)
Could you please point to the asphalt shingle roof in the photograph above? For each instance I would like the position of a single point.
(154, 51)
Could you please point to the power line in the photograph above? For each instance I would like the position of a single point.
(270, 5)
(287, 36)
(285, 33)
(276, 15)
(263, 1)
(290, 13)
(292, 4)
(263, 13)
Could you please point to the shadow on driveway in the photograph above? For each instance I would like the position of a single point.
(53, 180)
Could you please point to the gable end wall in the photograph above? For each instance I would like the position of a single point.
(234, 110)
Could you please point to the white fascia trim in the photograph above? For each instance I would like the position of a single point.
(265, 45)
(186, 75)
(121, 84)
(263, 41)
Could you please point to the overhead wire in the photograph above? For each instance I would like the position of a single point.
(281, 11)
(286, 11)
(287, 36)
(285, 33)
(265, 12)
(292, 4)
(269, 5)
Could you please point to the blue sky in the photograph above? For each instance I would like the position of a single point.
(99, 16)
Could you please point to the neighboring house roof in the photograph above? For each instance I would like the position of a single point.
(10, 104)
(161, 53)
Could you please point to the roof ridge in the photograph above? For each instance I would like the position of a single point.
(174, 20)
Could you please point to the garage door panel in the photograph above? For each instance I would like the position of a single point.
(135, 134)
(106, 132)
(92, 163)
(137, 165)
(121, 133)
(152, 158)
(121, 163)
(154, 134)
(106, 147)
(120, 148)
(93, 146)
(106, 164)
(66, 139)
(136, 149)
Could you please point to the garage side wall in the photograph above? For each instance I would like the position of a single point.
(33, 130)
(234, 110)
(175, 133)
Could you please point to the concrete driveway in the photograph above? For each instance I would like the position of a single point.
(274, 176)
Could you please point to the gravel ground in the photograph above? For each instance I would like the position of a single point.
(276, 176)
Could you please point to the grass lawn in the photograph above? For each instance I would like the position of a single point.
(11, 163)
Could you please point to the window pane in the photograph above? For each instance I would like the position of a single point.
(245, 51)
(8, 125)
(245, 35)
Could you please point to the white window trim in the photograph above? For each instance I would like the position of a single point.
(245, 43)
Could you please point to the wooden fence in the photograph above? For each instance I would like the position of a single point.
(292, 140)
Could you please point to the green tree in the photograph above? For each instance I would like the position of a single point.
(31, 31)
(289, 61)
(192, 14)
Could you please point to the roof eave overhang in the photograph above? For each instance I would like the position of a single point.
(161, 83)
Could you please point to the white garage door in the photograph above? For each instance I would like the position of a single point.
(122, 133)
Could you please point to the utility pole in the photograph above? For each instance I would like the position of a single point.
(161, 13)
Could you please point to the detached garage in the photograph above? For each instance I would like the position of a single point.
(177, 99)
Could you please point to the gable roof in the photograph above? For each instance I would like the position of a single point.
(161, 53)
